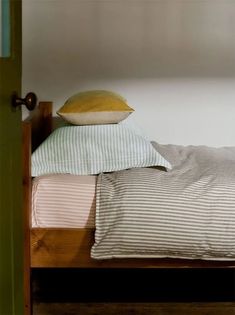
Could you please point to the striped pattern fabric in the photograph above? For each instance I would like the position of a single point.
(63, 201)
(188, 212)
(88, 150)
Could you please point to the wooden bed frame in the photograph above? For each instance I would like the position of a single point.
(70, 248)
(53, 247)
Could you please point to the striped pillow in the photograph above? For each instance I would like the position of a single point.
(93, 149)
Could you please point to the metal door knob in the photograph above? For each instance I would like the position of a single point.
(30, 101)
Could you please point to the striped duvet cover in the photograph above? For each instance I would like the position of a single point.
(187, 212)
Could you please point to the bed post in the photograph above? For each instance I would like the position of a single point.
(26, 212)
(34, 130)
(41, 123)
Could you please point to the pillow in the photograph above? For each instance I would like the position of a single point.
(90, 150)
(95, 107)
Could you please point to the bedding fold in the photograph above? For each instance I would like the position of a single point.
(187, 212)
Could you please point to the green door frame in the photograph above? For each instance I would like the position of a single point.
(11, 209)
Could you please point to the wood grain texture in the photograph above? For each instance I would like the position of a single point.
(34, 131)
(41, 123)
(71, 248)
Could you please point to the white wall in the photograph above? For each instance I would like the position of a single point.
(174, 61)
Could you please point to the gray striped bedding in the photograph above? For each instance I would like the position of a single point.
(187, 212)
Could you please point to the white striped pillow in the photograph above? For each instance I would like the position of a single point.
(93, 149)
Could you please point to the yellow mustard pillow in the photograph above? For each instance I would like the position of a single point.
(95, 107)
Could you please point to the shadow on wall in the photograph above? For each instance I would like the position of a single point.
(173, 60)
(123, 39)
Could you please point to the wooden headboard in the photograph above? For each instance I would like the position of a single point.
(40, 124)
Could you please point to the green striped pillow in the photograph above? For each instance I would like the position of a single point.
(93, 149)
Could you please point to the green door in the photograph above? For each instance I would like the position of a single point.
(11, 219)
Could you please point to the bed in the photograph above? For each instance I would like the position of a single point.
(70, 247)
